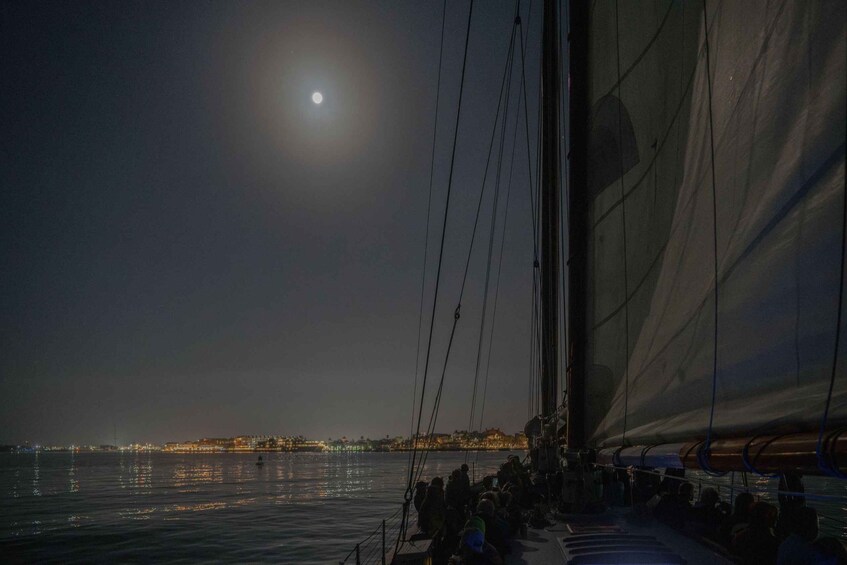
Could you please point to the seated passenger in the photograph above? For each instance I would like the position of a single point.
(757, 545)
(420, 494)
(433, 509)
(734, 524)
(474, 550)
(453, 493)
(797, 549)
(493, 532)
(673, 509)
(706, 516)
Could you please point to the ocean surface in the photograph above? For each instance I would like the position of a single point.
(167, 507)
(296, 508)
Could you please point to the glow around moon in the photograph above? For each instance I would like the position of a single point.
(317, 97)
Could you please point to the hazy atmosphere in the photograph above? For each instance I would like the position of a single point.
(192, 247)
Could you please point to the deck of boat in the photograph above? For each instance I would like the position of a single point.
(609, 538)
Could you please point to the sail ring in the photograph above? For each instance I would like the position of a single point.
(703, 452)
(644, 453)
(616, 457)
(827, 454)
(745, 457)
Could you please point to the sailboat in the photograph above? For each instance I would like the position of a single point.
(705, 255)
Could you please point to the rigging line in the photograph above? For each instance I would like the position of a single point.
(538, 304)
(494, 209)
(436, 404)
(530, 412)
(528, 150)
(703, 451)
(564, 203)
(623, 221)
(534, 202)
(428, 210)
(485, 173)
(564, 121)
(499, 271)
(533, 215)
(409, 487)
(827, 466)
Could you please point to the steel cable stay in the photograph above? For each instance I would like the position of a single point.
(457, 311)
(491, 238)
(564, 204)
(409, 488)
(428, 210)
(537, 264)
(535, 343)
(499, 270)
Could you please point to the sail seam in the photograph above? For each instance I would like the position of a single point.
(623, 224)
(703, 451)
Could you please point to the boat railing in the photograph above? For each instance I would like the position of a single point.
(376, 547)
(759, 487)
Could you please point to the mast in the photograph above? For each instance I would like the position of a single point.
(577, 240)
(550, 175)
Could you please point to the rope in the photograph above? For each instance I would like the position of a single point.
(409, 487)
(535, 334)
(457, 312)
(623, 222)
(428, 209)
(499, 270)
(494, 208)
(828, 464)
(564, 207)
(704, 452)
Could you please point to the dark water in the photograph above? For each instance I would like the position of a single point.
(297, 508)
(145, 507)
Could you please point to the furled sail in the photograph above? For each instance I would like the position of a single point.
(731, 140)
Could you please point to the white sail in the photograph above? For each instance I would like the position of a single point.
(777, 104)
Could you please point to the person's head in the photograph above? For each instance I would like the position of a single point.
(762, 515)
(805, 523)
(485, 507)
(743, 502)
(455, 475)
(709, 497)
(476, 522)
(489, 495)
(473, 539)
(437, 482)
(420, 485)
(464, 468)
(488, 482)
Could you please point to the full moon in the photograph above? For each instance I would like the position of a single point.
(317, 97)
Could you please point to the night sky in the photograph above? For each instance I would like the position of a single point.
(191, 248)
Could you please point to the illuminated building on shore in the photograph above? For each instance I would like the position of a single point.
(489, 440)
